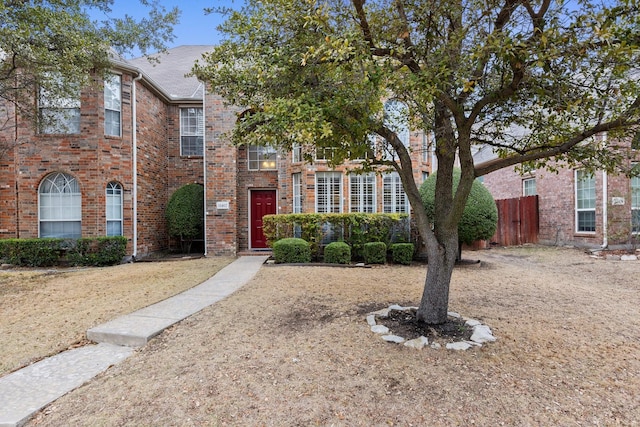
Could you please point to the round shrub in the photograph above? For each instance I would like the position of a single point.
(291, 250)
(337, 253)
(374, 252)
(402, 253)
(480, 216)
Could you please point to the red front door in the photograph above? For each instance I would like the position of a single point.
(263, 202)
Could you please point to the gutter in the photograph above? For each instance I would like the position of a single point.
(134, 132)
(605, 197)
(204, 166)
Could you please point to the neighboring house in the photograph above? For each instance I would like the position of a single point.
(575, 207)
(109, 161)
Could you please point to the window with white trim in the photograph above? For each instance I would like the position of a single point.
(191, 131)
(362, 192)
(394, 199)
(262, 157)
(328, 192)
(635, 203)
(114, 209)
(396, 118)
(529, 187)
(113, 106)
(296, 153)
(297, 192)
(60, 206)
(585, 202)
(59, 107)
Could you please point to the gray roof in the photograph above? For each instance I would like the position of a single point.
(170, 73)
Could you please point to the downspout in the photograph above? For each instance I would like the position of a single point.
(605, 196)
(204, 163)
(134, 132)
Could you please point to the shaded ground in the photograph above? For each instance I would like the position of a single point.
(293, 348)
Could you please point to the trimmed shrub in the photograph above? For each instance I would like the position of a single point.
(480, 217)
(98, 251)
(402, 253)
(375, 253)
(185, 214)
(32, 252)
(291, 250)
(337, 253)
(355, 229)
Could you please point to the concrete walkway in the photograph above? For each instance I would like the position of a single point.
(24, 392)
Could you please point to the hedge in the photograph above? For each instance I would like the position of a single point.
(355, 229)
(48, 252)
(375, 253)
(402, 253)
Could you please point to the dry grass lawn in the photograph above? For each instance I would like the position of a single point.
(292, 348)
(47, 311)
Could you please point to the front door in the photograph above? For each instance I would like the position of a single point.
(263, 202)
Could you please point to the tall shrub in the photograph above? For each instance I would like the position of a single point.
(185, 214)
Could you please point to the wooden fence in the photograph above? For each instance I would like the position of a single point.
(518, 221)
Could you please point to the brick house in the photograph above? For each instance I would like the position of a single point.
(122, 152)
(574, 207)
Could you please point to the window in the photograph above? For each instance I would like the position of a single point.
(59, 107)
(585, 202)
(191, 132)
(396, 119)
(296, 155)
(394, 199)
(328, 192)
(262, 158)
(529, 187)
(297, 193)
(635, 204)
(60, 206)
(112, 106)
(325, 153)
(363, 193)
(114, 209)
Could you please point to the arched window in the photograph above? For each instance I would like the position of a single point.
(396, 118)
(114, 209)
(60, 206)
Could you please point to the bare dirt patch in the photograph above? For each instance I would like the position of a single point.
(293, 348)
(45, 311)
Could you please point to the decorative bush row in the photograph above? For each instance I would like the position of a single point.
(355, 229)
(97, 251)
(296, 250)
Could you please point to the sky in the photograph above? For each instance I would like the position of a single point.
(195, 28)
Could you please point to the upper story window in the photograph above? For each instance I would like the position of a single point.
(113, 106)
(585, 202)
(262, 157)
(191, 131)
(296, 153)
(529, 187)
(396, 118)
(60, 207)
(59, 107)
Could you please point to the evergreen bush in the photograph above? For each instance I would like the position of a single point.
(185, 214)
(292, 250)
(402, 253)
(337, 253)
(375, 253)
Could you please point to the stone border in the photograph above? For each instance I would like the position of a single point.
(481, 333)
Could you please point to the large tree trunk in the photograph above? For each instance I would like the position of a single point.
(434, 304)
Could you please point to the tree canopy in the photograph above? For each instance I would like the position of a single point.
(537, 80)
(56, 45)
